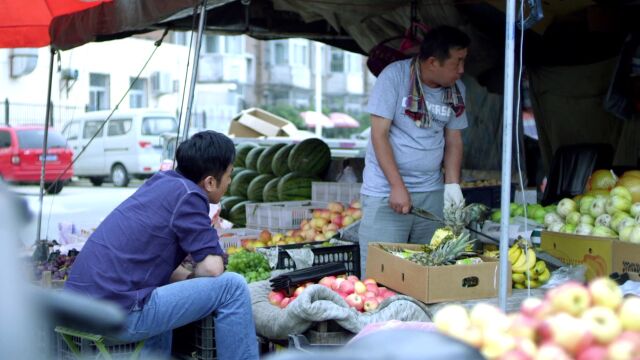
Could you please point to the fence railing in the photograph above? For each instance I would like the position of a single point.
(13, 113)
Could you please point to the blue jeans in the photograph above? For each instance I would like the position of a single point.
(177, 304)
(381, 224)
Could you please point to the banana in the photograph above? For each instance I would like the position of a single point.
(544, 277)
(540, 267)
(529, 261)
(518, 278)
(519, 262)
(514, 252)
(519, 286)
(531, 284)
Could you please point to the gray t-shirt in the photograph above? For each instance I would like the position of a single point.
(418, 151)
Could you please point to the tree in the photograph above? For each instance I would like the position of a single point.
(288, 112)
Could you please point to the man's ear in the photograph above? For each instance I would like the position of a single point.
(210, 183)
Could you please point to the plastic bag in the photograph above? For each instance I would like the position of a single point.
(566, 274)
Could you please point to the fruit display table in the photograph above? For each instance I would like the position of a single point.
(513, 301)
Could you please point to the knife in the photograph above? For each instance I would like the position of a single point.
(432, 217)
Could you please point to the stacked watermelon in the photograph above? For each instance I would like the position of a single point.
(278, 172)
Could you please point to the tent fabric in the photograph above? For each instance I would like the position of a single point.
(568, 108)
(18, 30)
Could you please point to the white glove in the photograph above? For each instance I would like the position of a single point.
(452, 195)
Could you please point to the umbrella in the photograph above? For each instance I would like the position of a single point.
(342, 120)
(28, 23)
(311, 118)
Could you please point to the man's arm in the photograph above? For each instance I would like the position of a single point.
(452, 155)
(179, 274)
(211, 265)
(399, 199)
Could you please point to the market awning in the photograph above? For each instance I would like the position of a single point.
(313, 118)
(342, 120)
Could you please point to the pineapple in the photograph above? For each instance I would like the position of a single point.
(456, 216)
(444, 253)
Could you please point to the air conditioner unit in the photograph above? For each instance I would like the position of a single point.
(69, 74)
(161, 83)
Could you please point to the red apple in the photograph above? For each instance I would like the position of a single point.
(356, 204)
(624, 347)
(335, 207)
(336, 219)
(380, 299)
(359, 288)
(369, 295)
(550, 351)
(298, 291)
(327, 281)
(522, 326)
(341, 294)
(605, 292)
(572, 298)
(355, 301)
(603, 323)
(594, 352)
(347, 220)
(329, 227)
(370, 304)
(356, 214)
(353, 278)
(319, 237)
(275, 297)
(336, 284)
(451, 319)
(372, 287)
(285, 302)
(629, 313)
(535, 308)
(347, 287)
(566, 331)
(370, 281)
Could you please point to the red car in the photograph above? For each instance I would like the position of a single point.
(21, 156)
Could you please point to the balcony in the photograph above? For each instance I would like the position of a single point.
(291, 75)
(222, 68)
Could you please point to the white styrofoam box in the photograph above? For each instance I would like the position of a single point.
(234, 237)
(335, 191)
(281, 216)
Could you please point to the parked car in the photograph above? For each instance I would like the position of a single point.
(21, 157)
(126, 147)
(168, 147)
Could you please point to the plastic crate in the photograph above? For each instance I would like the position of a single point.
(335, 191)
(281, 216)
(487, 195)
(234, 237)
(348, 254)
(88, 349)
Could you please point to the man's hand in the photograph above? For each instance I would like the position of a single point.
(212, 265)
(400, 200)
(452, 195)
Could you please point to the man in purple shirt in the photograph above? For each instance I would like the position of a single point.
(133, 258)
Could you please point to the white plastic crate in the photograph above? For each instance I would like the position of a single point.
(234, 237)
(335, 191)
(281, 216)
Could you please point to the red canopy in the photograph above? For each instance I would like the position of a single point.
(25, 23)
(342, 120)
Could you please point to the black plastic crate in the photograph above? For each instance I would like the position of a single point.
(89, 350)
(196, 340)
(487, 195)
(348, 254)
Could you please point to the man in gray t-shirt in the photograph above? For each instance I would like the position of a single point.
(417, 113)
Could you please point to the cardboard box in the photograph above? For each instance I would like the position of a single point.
(256, 122)
(596, 253)
(432, 284)
(626, 257)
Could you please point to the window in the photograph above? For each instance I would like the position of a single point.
(179, 37)
(5, 139)
(157, 125)
(118, 127)
(354, 63)
(280, 53)
(71, 130)
(32, 139)
(98, 92)
(90, 128)
(300, 54)
(233, 45)
(138, 93)
(337, 60)
(212, 44)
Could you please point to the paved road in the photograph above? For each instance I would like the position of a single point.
(79, 203)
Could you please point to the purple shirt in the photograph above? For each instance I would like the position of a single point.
(139, 245)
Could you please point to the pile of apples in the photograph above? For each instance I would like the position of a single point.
(572, 322)
(325, 223)
(364, 296)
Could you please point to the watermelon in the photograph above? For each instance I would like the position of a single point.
(227, 203)
(256, 187)
(238, 214)
(280, 163)
(310, 157)
(270, 191)
(241, 153)
(295, 186)
(266, 158)
(236, 171)
(251, 162)
(240, 183)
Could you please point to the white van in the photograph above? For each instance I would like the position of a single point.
(128, 146)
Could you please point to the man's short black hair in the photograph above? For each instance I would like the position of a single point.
(207, 153)
(440, 40)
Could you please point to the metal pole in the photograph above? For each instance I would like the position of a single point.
(44, 146)
(318, 78)
(194, 72)
(507, 128)
(6, 111)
